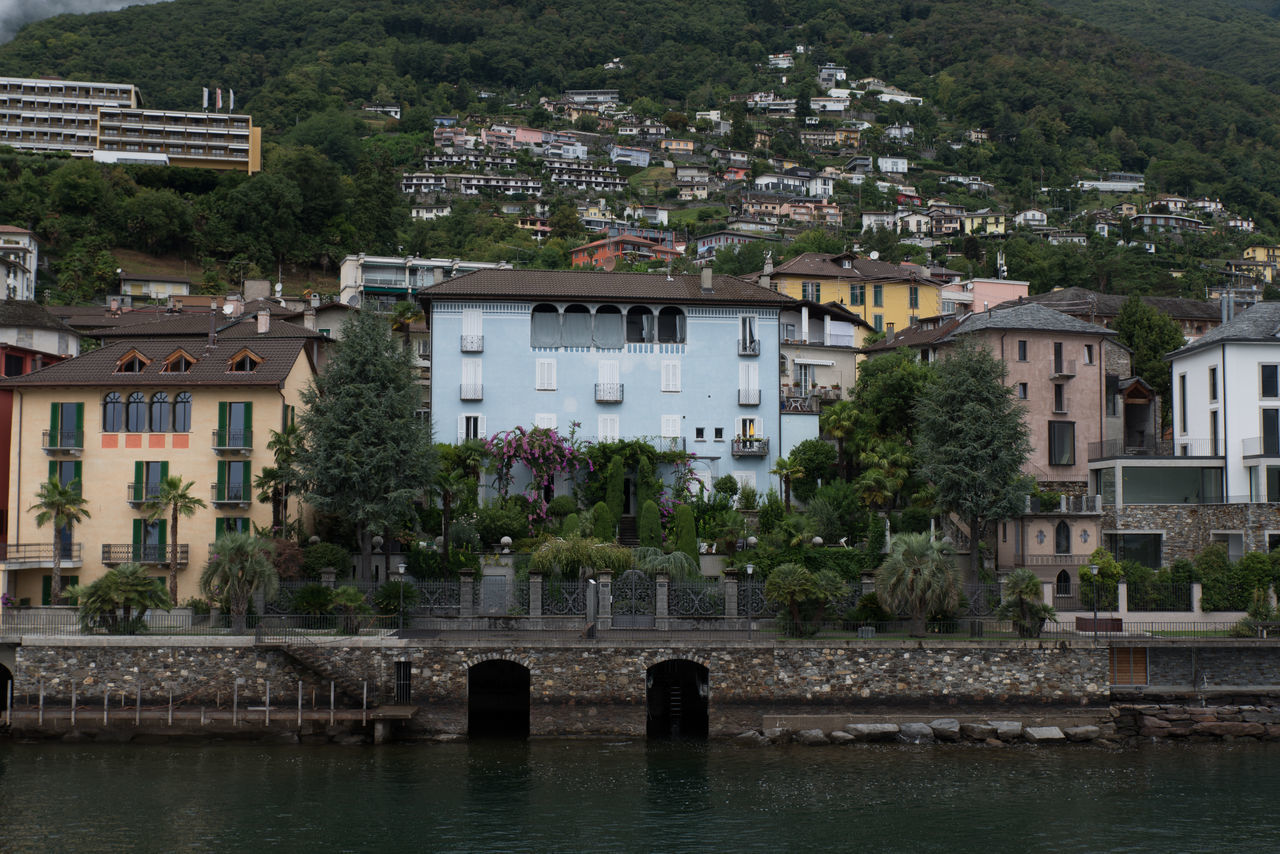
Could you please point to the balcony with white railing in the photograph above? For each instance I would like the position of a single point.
(472, 343)
(114, 554)
(748, 348)
(471, 391)
(609, 392)
(748, 397)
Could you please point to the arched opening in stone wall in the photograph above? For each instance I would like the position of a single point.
(677, 698)
(498, 700)
(6, 680)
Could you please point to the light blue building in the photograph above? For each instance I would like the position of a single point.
(685, 361)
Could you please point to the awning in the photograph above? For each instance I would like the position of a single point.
(827, 363)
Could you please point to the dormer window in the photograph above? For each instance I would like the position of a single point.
(132, 363)
(243, 362)
(179, 363)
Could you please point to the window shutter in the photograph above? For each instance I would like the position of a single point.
(162, 536)
(608, 372)
(222, 420)
(462, 429)
(164, 470)
(752, 376)
(54, 409)
(137, 537)
(546, 420)
(670, 426)
(670, 376)
(79, 477)
(80, 420)
(482, 431)
(222, 480)
(248, 421)
(138, 478)
(53, 469)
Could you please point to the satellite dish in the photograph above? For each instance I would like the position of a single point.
(279, 288)
(874, 256)
(227, 309)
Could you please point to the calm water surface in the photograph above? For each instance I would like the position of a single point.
(628, 796)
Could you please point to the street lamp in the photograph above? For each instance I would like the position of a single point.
(751, 567)
(1093, 570)
(400, 568)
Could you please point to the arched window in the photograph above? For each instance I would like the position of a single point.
(1064, 583)
(608, 328)
(639, 325)
(575, 326)
(135, 413)
(1062, 539)
(160, 412)
(112, 413)
(544, 326)
(182, 413)
(671, 326)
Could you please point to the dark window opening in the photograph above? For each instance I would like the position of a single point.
(1062, 539)
(1063, 587)
(677, 694)
(498, 700)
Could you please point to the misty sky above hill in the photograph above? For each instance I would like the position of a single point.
(15, 13)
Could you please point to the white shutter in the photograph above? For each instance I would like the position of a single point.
(745, 478)
(462, 429)
(749, 376)
(546, 420)
(471, 371)
(546, 375)
(607, 372)
(670, 376)
(483, 433)
(471, 323)
(670, 426)
(607, 428)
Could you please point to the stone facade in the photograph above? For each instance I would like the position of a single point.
(1187, 528)
(1214, 668)
(584, 686)
(1198, 723)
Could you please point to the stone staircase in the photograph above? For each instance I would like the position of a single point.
(311, 658)
(627, 532)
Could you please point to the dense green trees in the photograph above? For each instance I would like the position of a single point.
(1151, 335)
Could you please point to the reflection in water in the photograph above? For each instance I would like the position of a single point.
(600, 795)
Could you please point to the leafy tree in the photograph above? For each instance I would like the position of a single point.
(839, 421)
(686, 531)
(786, 470)
(919, 577)
(174, 499)
(349, 604)
(816, 459)
(239, 566)
(62, 507)
(275, 484)
(602, 523)
(364, 452)
(119, 600)
(1024, 603)
(449, 485)
(613, 488)
(972, 442)
(676, 565)
(1151, 335)
(650, 526)
(396, 596)
(803, 594)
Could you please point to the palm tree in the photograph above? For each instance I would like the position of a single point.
(113, 599)
(919, 577)
(174, 498)
(239, 566)
(787, 471)
(1024, 604)
(63, 506)
(275, 483)
(448, 484)
(403, 315)
(840, 421)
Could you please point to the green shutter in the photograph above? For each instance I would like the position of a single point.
(54, 411)
(164, 470)
(80, 420)
(247, 427)
(53, 469)
(163, 537)
(221, 494)
(222, 422)
(139, 478)
(78, 478)
(139, 537)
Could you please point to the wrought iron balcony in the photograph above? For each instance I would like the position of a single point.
(63, 441)
(140, 493)
(38, 555)
(232, 493)
(748, 397)
(472, 391)
(232, 439)
(608, 392)
(114, 554)
(750, 447)
(748, 348)
(472, 343)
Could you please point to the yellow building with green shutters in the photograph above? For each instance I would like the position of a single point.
(887, 296)
(116, 421)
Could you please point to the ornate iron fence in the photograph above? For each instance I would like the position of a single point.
(695, 599)
(635, 597)
(751, 600)
(564, 598)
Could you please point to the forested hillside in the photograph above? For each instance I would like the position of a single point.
(1237, 37)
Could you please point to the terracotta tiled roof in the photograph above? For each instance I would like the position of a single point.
(1083, 302)
(821, 264)
(24, 313)
(914, 336)
(197, 323)
(98, 367)
(592, 286)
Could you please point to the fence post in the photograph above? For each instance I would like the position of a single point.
(466, 593)
(1047, 589)
(40, 717)
(73, 704)
(730, 576)
(266, 721)
(661, 611)
(1197, 590)
(1122, 599)
(535, 594)
(604, 607)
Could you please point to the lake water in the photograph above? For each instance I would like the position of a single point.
(586, 795)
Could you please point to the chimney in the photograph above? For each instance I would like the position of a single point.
(315, 300)
(437, 275)
(213, 325)
(264, 322)
(309, 318)
(115, 306)
(706, 280)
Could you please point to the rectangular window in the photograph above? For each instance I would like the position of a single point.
(670, 426)
(1022, 391)
(719, 434)
(877, 296)
(472, 376)
(671, 376)
(857, 295)
(231, 524)
(545, 379)
(1213, 383)
(1213, 432)
(1022, 351)
(471, 427)
(877, 320)
(811, 291)
(699, 434)
(1088, 354)
(747, 428)
(546, 420)
(1270, 380)
(748, 338)
(235, 423)
(1271, 432)
(1062, 443)
(913, 297)
(607, 429)
(1059, 397)
(1182, 404)
(66, 425)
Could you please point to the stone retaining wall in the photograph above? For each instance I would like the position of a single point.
(1187, 528)
(1198, 723)
(1208, 668)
